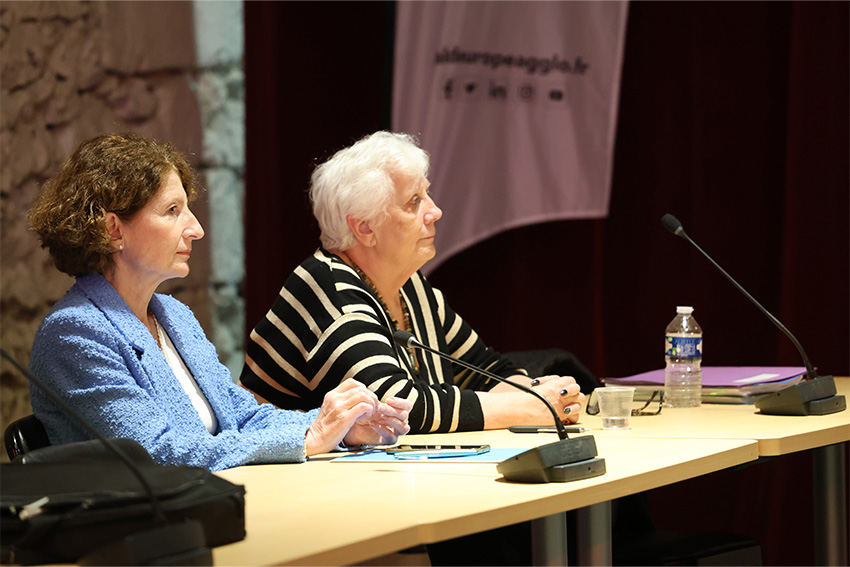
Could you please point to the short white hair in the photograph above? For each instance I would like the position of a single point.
(358, 181)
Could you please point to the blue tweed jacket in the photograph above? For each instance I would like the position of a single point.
(100, 358)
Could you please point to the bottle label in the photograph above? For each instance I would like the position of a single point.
(683, 347)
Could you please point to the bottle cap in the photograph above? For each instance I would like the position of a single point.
(684, 309)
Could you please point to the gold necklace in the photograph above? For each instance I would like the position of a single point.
(404, 309)
(155, 330)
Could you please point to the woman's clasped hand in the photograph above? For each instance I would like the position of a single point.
(564, 394)
(351, 413)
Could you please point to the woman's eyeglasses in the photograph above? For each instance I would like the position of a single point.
(644, 411)
(657, 395)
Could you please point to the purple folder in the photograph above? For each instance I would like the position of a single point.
(746, 380)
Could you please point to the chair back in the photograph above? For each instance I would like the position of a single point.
(24, 435)
(553, 361)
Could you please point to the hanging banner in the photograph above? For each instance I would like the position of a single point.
(516, 103)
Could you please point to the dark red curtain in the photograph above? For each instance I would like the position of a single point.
(733, 117)
(316, 80)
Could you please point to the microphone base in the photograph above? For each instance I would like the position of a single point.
(563, 461)
(810, 397)
(573, 471)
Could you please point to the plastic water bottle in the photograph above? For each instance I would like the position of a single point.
(683, 351)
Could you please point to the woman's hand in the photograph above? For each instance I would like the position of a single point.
(384, 426)
(351, 411)
(564, 393)
(341, 408)
(503, 407)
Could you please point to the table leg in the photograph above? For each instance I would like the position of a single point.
(593, 531)
(549, 540)
(830, 502)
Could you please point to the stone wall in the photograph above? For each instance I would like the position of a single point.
(219, 85)
(73, 70)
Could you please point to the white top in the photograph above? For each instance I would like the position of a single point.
(684, 310)
(199, 400)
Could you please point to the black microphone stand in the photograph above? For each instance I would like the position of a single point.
(167, 543)
(814, 396)
(156, 508)
(562, 461)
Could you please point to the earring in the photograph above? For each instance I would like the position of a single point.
(120, 247)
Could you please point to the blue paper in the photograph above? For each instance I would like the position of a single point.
(494, 455)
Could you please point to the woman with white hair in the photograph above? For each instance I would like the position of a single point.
(335, 315)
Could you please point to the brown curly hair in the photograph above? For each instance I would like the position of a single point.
(116, 173)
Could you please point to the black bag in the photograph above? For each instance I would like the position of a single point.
(92, 503)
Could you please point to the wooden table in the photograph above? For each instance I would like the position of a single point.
(776, 435)
(332, 513)
(328, 513)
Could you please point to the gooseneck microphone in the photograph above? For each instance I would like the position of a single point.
(156, 509)
(673, 225)
(562, 461)
(163, 544)
(407, 340)
(814, 396)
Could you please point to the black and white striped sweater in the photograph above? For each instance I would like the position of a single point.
(326, 325)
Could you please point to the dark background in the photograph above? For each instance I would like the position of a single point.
(733, 117)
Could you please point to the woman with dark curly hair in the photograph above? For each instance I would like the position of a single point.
(137, 364)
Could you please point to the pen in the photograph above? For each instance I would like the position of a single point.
(547, 429)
